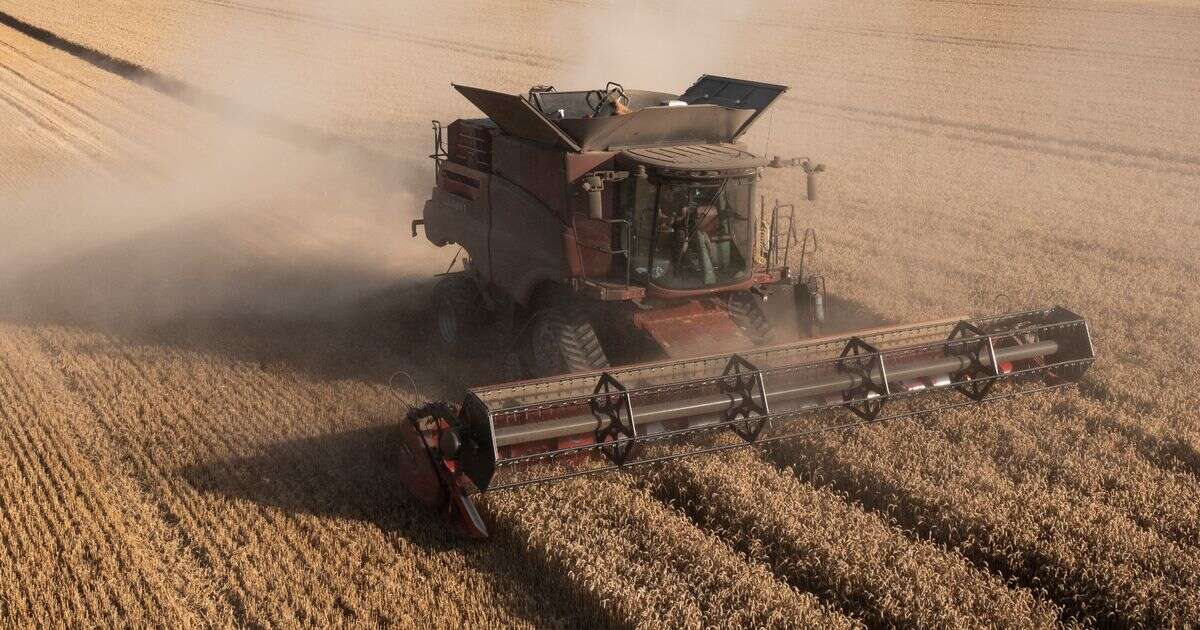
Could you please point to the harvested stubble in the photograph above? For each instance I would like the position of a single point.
(1091, 559)
(819, 542)
(645, 564)
(80, 546)
(282, 528)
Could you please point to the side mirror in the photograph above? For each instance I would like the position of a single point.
(810, 171)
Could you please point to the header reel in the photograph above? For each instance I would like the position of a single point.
(529, 432)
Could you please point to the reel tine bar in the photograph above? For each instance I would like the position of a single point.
(976, 380)
(619, 437)
(864, 361)
(739, 381)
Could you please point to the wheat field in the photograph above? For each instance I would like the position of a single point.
(212, 317)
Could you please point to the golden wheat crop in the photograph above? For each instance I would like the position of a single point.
(187, 440)
(821, 543)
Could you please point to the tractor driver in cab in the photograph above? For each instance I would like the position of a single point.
(695, 242)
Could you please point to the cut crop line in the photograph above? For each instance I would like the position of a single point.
(488, 52)
(191, 513)
(192, 95)
(307, 543)
(52, 508)
(54, 130)
(69, 124)
(9, 399)
(1121, 150)
(73, 106)
(86, 475)
(1064, 9)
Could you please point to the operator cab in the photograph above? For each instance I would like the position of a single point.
(692, 215)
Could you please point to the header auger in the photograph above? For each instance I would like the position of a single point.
(623, 223)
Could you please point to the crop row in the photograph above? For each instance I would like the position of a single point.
(1099, 565)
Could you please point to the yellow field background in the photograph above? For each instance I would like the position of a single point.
(208, 293)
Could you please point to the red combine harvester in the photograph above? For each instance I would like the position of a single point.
(619, 222)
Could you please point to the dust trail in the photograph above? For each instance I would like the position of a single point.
(269, 209)
(650, 45)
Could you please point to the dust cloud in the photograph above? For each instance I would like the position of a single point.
(285, 205)
(661, 45)
(273, 213)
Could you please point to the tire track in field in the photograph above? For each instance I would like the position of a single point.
(71, 127)
(73, 105)
(487, 52)
(75, 139)
(974, 42)
(1147, 11)
(195, 96)
(956, 40)
(1002, 44)
(1011, 138)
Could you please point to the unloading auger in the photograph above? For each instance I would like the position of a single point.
(528, 432)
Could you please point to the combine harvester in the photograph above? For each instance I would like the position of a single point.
(613, 219)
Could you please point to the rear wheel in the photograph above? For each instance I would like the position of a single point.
(747, 312)
(562, 341)
(460, 315)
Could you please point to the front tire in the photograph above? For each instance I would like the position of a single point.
(746, 310)
(562, 341)
(460, 316)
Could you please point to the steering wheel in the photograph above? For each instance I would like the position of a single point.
(600, 97)
(612, 93)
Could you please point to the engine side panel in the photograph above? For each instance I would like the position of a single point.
(457, 211)
(527, 242)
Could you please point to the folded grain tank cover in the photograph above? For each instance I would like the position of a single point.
(517, 117)
(718, 110)
(735, 93)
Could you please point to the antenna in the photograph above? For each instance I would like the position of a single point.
(770, 127)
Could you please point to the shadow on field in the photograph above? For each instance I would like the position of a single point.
(353, 475)
(347, 475)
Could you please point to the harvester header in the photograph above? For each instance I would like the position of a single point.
(535, 431)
